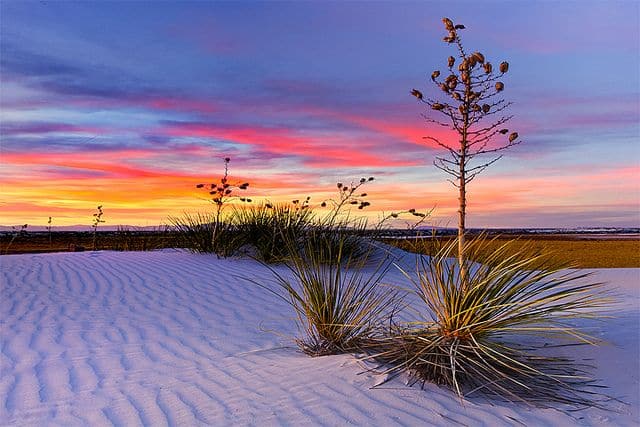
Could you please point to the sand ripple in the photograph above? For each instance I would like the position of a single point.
(171, 338)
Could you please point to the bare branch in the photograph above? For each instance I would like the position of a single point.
(473, 172)
(445, 146)
(495, 150)
(434, 121)
(440, 163)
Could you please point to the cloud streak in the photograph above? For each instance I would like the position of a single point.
(137, 116)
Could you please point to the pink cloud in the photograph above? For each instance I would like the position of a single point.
(317, 151)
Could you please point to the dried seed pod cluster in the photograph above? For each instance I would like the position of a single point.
(222, 191)
(472, 84)
(478, 57)
(347, 195)
(448, 24)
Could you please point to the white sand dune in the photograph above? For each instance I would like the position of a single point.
(172, 338)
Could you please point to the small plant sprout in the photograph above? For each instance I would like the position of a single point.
(49, 231)
(97, 219)
(15, 233)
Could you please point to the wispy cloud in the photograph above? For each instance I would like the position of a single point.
(304, 95)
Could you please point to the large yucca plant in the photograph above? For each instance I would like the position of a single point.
(493, 334)
(339, 301)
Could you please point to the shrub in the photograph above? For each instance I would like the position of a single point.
(338, 303)
(470, 337)
(49, 232)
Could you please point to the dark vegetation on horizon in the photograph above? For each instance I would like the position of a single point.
(582, 249)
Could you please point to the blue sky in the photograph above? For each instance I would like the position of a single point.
(128, 104)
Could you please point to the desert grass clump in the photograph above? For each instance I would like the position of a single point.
(338, 303)
(203, 233)
(215, 232)
(348, 236)
(279, 230)
(503, 333)
(271, 227)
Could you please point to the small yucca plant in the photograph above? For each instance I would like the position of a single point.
(470, 338)
(49, 232)
(338, 303)
(97, 220)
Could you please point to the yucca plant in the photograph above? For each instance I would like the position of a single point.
(471, 338)
(471, 107)
(270, 228)
(49, 232)
(346, 236)
(221, 194)
(338, 303)
(206, 233)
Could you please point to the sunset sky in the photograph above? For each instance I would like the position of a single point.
(130, 105)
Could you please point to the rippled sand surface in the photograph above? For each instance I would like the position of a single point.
(172, 338)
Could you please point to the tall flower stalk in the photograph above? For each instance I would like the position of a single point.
(221, 193)
(472, 108)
